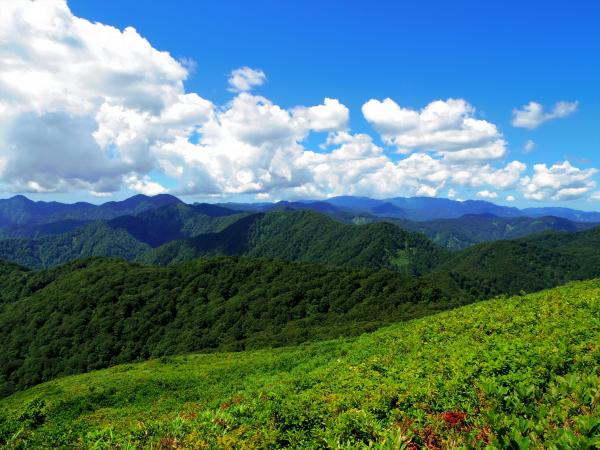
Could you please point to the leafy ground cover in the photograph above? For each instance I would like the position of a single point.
(522, 372)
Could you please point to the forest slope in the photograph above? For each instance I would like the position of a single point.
(509, 373)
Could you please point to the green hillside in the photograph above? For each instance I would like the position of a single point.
(95, 313)
(468, 230)
(94, 239)
(507, 373)
(528, 264)
(310, 237)
(126, 237)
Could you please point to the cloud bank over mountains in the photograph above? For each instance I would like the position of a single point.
(86, 106)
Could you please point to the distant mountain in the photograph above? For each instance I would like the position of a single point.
(126, 237)
(310, 237)
(322, 207)
(567, 213)
(388, 209)
(19, 210)
(41, 230)
(418, 208)
(472, 229)
(176, 221)
(360, 204)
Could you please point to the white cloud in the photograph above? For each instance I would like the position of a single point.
(510, 198)
(85, 106)
(595, 196)
(144, 185)
(330, 116)
(245, 78)
(529, 146)
(448, 128)
(504, 178)
(558, 182)
(82, 104)
(489, 195)
(532, 115)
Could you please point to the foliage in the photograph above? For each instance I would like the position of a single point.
(126, 237)
(507, 373)
(529, 264)
(310, 237)
(95, 313)
(468, 230)
(93, 239)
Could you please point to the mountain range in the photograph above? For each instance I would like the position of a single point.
(84, 287)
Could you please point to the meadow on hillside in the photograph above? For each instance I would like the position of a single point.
(505, 373)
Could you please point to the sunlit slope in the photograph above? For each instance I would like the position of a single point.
(515, 372)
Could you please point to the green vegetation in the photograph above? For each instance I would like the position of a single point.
(529, 264)
(308, 236)
(94, 239)
(95, 313)
(460, 233)
(507, 373)
(126, 237)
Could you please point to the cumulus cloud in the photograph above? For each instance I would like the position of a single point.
(245, 78)
(448, 128)
(85, 106)
(144, 185)
(510, 198)
(561, 181)
(532, 115)
(489, 195)
(503, 178)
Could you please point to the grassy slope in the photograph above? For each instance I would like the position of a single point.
(509, 372)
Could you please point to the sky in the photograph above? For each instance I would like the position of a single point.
(266, 100)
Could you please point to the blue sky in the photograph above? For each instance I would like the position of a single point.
(495, 57)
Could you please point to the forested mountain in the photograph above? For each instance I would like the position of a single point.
(310, 237)
(94, 239)
(94, 313)
(507, 373)
(126, 236)
(528, 264)
(472, 229)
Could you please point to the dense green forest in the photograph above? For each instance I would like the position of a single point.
(508, 373)
(528, 264)
(460, 233)
(310, 237)
(99, 312)
(126, 237)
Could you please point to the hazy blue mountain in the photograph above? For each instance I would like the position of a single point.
(359, 204)
(388, 209)
(567, 213)
(20, 210)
